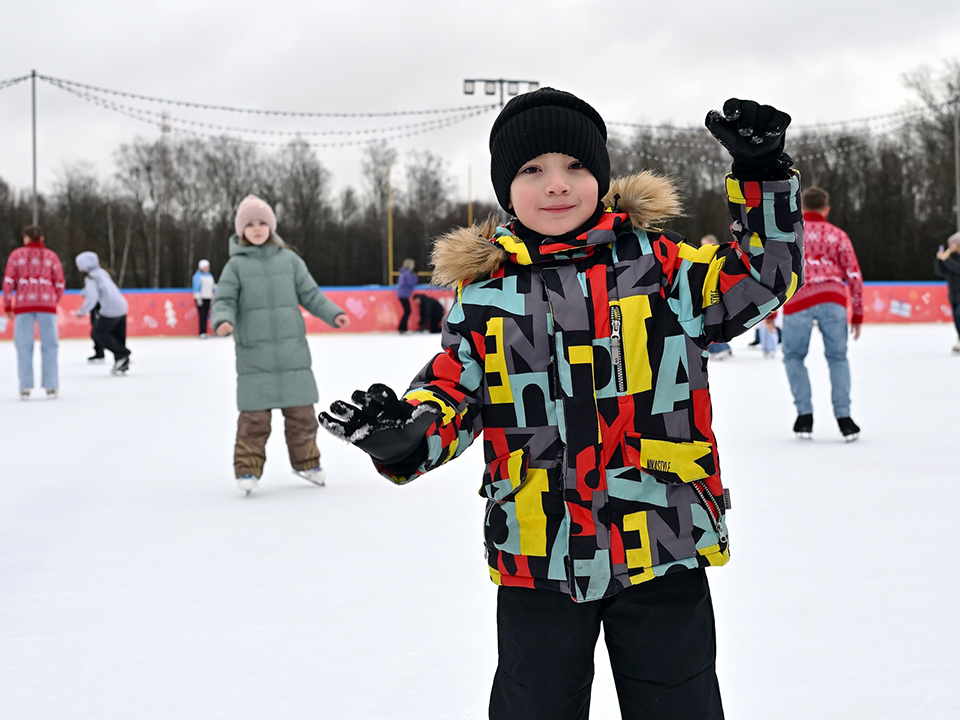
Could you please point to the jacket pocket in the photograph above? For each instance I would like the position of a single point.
(504, 476)
(672, 461)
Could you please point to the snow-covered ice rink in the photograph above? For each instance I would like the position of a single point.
(136, 581)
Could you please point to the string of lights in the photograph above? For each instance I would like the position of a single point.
(165, 117)
(866, 121)
(254, 111)
(4, 84)
(703, 160)
(161, 123)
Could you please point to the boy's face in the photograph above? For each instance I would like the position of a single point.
(553, 194)
(257, 232)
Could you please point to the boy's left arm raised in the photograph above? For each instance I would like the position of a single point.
(731, 287)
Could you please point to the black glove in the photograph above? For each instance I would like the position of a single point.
(754, 135)
(391, 431)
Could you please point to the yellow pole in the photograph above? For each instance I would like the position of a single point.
(469, 196)
(389, 228)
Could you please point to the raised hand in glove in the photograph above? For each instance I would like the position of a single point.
(391, 431)
(754, 135)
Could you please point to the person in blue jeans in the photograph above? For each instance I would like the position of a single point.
(832, 273)
(32, 286)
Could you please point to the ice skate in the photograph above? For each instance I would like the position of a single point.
(803, 427)
(955, 350)
(247, 483)
(121, 366)
(849, 428)
(315, 475)
(25, 394)
(51, 394)
(722, 355)
(96, 359)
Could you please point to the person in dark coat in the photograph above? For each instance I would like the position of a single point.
(431, 313)
(947, 266)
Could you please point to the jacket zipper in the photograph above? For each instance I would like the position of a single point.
(616, 348)
(703, 492)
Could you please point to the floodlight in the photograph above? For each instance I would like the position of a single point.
(513, 88)
(468, 87)
(490, 87)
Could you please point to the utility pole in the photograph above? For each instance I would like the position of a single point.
(956, 153)
(390, 272)
(33, 82)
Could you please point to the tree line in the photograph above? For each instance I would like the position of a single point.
(172, 201)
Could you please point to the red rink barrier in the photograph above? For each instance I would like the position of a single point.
(377, 309)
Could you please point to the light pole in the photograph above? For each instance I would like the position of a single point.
(490, 87)
(956, 153)
(33, 104)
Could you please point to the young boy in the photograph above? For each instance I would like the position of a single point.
(577, 345)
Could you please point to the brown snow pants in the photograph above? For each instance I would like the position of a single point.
(253, 429)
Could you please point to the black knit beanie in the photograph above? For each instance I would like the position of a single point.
(545, 121)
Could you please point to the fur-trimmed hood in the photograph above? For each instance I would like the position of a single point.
(469, 254)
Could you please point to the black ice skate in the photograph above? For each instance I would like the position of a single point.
(803, 427)
(849, 429)
(121, 366)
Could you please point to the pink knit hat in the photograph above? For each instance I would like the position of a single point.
(253, 208)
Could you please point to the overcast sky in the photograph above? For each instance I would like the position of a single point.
(665, 62)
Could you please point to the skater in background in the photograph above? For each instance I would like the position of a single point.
(575, 345)
(110, 328)
(832, 271)
(405, 285)
(431, 313)
(717, 350)
(35, 276)
(258, 300)
(947, 266)
(203, 289)
(767, 332)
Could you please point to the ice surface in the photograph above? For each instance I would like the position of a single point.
(136, 580)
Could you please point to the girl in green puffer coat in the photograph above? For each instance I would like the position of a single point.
(258, 299)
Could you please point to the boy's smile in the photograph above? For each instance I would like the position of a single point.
(553, 194)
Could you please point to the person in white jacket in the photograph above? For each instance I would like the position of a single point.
(110, 329)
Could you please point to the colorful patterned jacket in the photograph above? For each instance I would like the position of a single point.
(584, 364)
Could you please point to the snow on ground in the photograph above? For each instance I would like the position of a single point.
(137, 582)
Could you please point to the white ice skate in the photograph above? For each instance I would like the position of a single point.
(247, 483)
(956, 348)
(25, 394)
(315, 475)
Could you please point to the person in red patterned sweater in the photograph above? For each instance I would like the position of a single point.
(35, 275)
(831, 270)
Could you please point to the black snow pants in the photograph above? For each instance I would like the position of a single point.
(111, 333)
(660, 636)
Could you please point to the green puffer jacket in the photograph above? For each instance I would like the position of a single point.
(259, 293)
